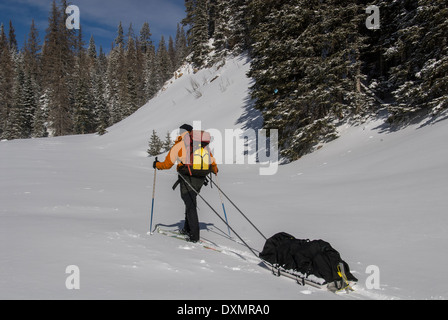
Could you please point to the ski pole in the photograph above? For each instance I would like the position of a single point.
(223, 206)
(239, 210)
(208, 204)
(153, 198)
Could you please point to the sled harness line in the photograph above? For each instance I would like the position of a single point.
(222, 219)
(220, 190)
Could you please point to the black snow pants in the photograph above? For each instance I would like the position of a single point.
(189, 197)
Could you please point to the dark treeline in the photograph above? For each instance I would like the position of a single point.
(315, 63)
(66, 85)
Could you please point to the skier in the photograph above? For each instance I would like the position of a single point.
(180, 153)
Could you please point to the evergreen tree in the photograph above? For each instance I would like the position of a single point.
(145, 40)
(420, 56)
(114, 83)
(151, 81)
(131, 94)
(119, 40)
(168, 143)
(307, 69)
(91, 51)
(102, 114)
(36, 117)
(117, 83)
(13, 47)
(172, 54)
(163, 61)
(32, 57)
(15, 123)
(83, 113)
(181, 48)
(239, 39)
(30, 104)
(198, 35)
(6, 81)
(211, 6)
(189, 18)
(57, 64)
(40, 124)
(406, 60)
(84, 120)
(155, 145)
(200, 30)
(147, 62)
(222, 32)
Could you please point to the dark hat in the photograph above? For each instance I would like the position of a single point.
(187, 127)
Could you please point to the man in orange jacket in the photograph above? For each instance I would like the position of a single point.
(179, 154)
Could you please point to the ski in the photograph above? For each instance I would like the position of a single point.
(301, 280)
(177, 235)
(334, 287)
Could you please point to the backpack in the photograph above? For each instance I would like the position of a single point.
(198, 158)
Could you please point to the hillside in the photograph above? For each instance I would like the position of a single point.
(375, 194)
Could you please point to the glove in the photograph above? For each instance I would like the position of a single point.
(155, 163)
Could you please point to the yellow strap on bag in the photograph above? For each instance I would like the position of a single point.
(344, 278)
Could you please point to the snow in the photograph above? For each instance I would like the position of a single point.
(377, 195)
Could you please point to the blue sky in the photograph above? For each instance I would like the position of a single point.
(99, 18)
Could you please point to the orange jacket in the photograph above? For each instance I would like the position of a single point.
(178, 154)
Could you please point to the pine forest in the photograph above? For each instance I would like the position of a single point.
(314, 64)
(66, 85)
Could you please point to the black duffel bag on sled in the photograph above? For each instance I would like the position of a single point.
(307, 257)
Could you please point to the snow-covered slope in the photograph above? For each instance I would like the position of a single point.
(377, 196)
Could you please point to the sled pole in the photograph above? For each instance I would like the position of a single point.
(219, 216)
(153, 199)
(223, 206)
(220, 190)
